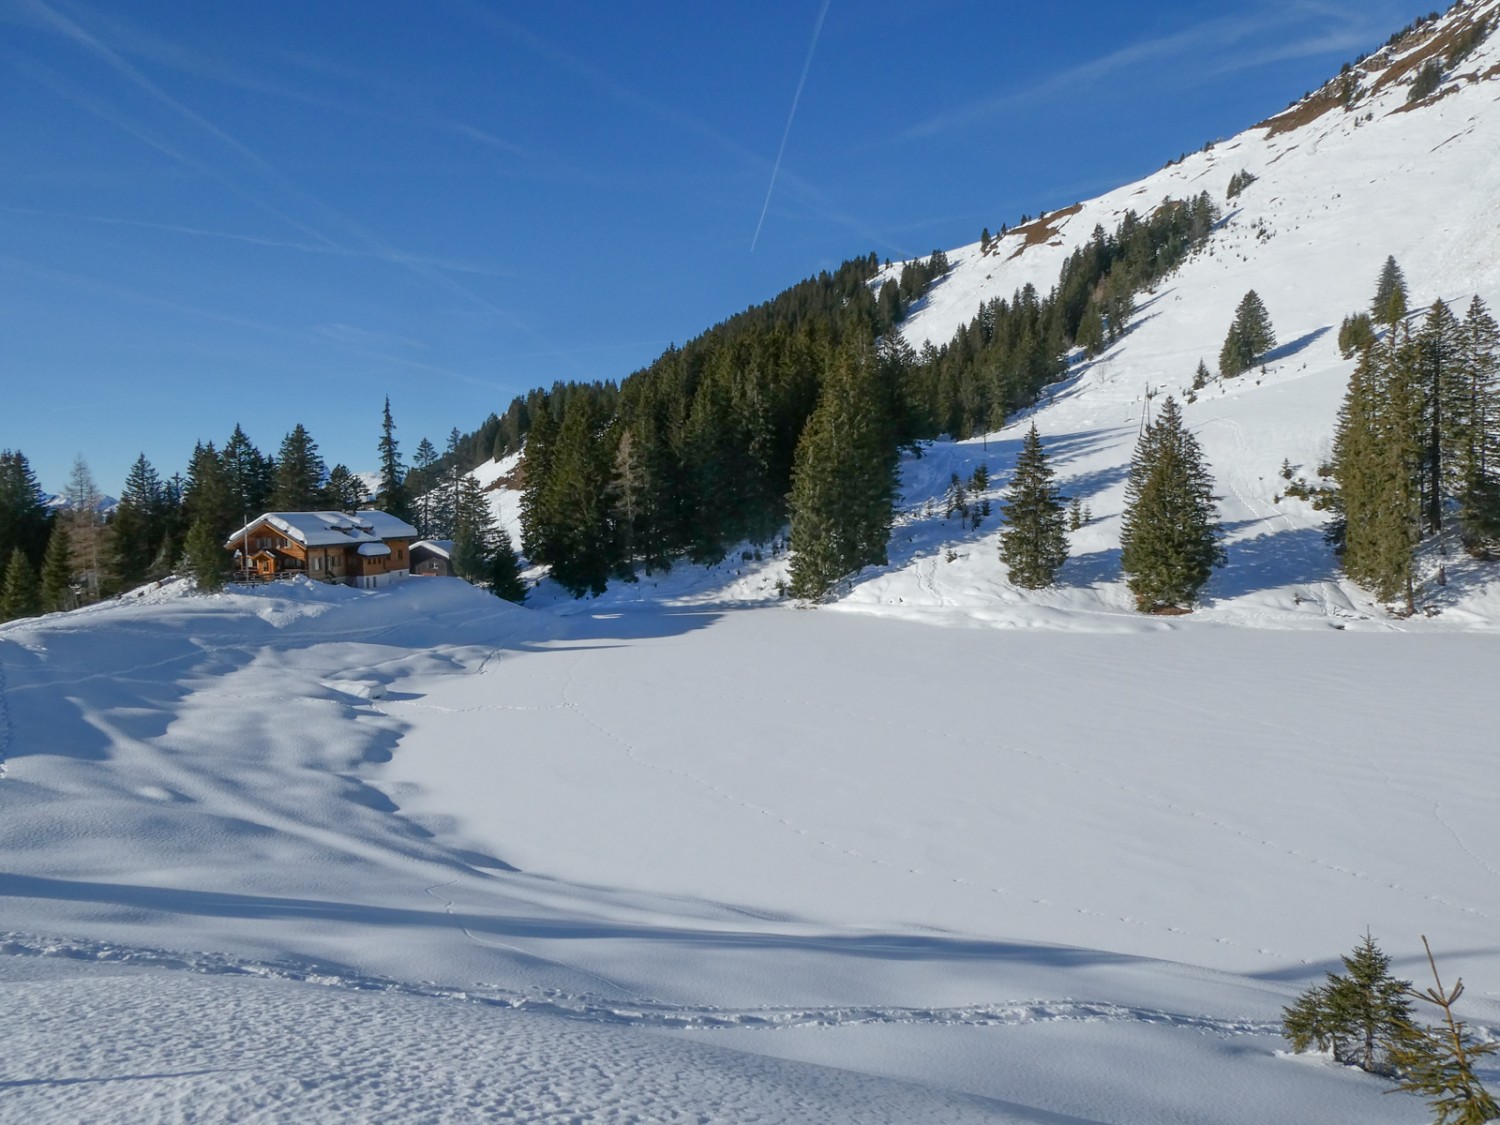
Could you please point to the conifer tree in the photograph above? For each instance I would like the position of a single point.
(715, 465)
(1389, 304)
(426, 457)
(1444, 402)
(445, 504)
(473, 532)
(206, 558)
(1356, 333)
(25, 523)
(137, 530)
(843, 483)
(208, 493)
(1170, 540)
(539, 522)
(1250, 337)
(1090, 335)
(580, 544)
(1439, 1063)
(1034, 544)
(299, 474)
(249, 479)
(505, 570)
(390, 496)
(343, 491)
(20, 593)
(1361, 1015)
(1475, 424)
(1378, 457)
(57, 571)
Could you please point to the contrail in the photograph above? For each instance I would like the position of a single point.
(776, 168)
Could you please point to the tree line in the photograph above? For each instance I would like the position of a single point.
(794, 412)
(1417, 446)
(79, 553)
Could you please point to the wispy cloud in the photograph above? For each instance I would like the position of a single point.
(133, 295)
(323, 248)
(790, 117)
(367, 337)
(1215, 46)
(366, 240)
(803, 191)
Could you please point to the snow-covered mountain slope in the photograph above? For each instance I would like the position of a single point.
(1336, 191)
(1343, 179)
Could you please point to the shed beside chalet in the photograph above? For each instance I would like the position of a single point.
(364, 549)
(432, 556)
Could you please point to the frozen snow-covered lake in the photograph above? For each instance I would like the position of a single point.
(312, 853)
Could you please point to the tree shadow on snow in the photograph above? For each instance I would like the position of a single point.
(222, 904)
(1299, 557)
(1286, 351)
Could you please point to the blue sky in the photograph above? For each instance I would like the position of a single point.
(281, 212)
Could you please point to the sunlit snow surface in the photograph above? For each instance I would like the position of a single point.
(942, 850)
(771, 864)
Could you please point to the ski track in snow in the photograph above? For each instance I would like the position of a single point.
(633, 1012)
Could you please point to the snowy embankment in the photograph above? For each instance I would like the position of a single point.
(501, 853)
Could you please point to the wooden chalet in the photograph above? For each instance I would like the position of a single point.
(364, 549)
(432, 557)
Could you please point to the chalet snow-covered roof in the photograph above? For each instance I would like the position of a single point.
(443, 547)
(331, 529)
(373, 550)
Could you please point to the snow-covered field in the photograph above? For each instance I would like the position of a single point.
(416, 854)
(941, 851)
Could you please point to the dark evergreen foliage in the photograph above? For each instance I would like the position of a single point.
(20, 591)
(1169, 544)
(697, 451)
(1361, 1015)
(843, 482)
(249, 479)
(1356, 333)
(139, 528)
(25, 522)
(423, 486)
(1474, 428)
(473, 532)
(299, 474)
(505, 579)
(1377, 453)
(57, 571)
(575, 533)
(207, 560)
(1034, 544)
(1429, 78)
(1416, 433)
(343, 491)
(390, 496)
(1238, 183)
(1389, 304)
(1250, 337)
(1440, 344)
